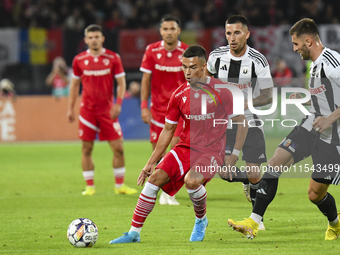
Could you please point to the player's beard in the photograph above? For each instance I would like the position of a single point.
(304, 52)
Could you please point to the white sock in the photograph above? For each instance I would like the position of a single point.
(257, 218)
(135, 229)
(88, 175)
(332, 223)
(119, 174)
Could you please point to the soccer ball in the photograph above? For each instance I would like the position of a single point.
(82, 232)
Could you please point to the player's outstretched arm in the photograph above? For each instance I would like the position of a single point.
(74, 90)
(265, 97)
(145, 92)
(121, 88)
(162, 144)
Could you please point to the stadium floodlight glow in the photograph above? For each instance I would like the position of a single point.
(238, 100)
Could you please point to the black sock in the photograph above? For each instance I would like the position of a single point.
(253, 188)
(241, 176)
(266, 191)
(328, 207)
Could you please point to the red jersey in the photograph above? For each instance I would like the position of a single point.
(200, 133)
(167, 73)
(58, 82)
(97, 75)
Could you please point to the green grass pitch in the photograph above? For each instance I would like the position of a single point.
(40, 192)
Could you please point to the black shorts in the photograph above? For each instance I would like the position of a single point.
(254, 148)
(302, 143)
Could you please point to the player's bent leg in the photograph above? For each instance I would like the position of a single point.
(318, 195)
(198, 195)
(119, 167)
(145, 205)
(88, 168)
(253, 171)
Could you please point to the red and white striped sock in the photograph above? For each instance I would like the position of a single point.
(88, 177)
(145, 204)
(119, 174)
(199, 199)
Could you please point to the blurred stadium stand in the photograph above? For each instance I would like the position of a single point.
(34, 32)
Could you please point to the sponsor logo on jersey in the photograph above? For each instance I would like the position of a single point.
(159, 55)
(200, 117)
(318, 90)
(86, 62)
(169, 69)
(97, 72)
(184, 99)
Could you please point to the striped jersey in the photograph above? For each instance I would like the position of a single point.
(248, 71)
(324, 86)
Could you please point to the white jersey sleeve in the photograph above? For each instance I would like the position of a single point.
(211, 64)
(264, 77)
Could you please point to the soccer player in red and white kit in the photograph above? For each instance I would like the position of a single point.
(96, 68)
(162, 71)
(201, 145)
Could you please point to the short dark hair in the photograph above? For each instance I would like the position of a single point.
(195, 51)
(237, 19)
(304, 26)
(169, 17)
(93, 28)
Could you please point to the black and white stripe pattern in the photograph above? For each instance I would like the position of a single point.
(248, 71)
(324, 86)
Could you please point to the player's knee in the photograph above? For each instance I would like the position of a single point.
(274, 162)
(192, 182)
(313, 197)
(118, 151)
(87, 150)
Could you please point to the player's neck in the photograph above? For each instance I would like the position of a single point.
(240, 53)
(96, 52)
(317, 51)
(170, 47)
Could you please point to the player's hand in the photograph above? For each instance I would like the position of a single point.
(230, 162)
(146, 115)
(321, 123)
(115, 111)
(70, 115)
(295, 95)
(144, 174)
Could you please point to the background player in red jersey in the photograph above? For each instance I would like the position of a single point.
(201, 145)
(162, 71)
(96, 68)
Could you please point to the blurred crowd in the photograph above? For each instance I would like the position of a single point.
(195, 14)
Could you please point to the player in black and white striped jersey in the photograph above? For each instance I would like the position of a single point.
(317, 136)
(244, 67)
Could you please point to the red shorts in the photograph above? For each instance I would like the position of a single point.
(156, 128)
(90, 124)
(177, 162)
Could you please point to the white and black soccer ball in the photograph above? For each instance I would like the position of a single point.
(82, 232)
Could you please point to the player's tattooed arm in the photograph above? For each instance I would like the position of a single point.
(264, 98)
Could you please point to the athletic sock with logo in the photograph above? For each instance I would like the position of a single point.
(266, 191)
(328, 207)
